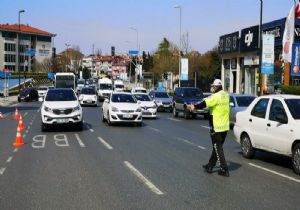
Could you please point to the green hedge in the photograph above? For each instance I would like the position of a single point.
(295, 90)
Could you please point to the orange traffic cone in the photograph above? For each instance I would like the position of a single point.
(1, 115)
(21, 125)
(17, 116)
(19, 141)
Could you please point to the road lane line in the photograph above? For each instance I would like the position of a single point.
(25, 114)
(105, 143)
(9, 159)
(274, 172)
(16, 150)
(156, 130)
(144, 180)
(190, 143)
(24, 135)
(27, 131)
(79, 140)
(92, 130)
(2, 171)
(203, 126)
(28, 127)
(5, 115)
(176, 120)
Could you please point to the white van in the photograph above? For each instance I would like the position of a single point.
(105, 88)
(118, 86)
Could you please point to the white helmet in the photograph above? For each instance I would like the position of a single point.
(217, 82)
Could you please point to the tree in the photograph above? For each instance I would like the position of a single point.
(185, 48)
(85, 73)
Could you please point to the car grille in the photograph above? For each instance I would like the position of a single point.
(127, 111)
(120, 116)
(147, 113)
(62, 111)
(166, 103)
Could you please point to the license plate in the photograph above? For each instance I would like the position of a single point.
(62, 120)
(166, 105)
(89, 101)
(127, 115)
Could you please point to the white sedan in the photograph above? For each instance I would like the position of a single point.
(271, 123)
(149, 107)
(88, 96)
(121, 107)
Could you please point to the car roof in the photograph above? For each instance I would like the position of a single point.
(60, 89)
(116, 92)
(239, 94)
(140, 93)
(281, 96)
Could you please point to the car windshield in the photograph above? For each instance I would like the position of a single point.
(123, 98)
(88, 91)
(42, 88)
(161, 95)
(106, 86)
(142, 97)
(244, 100)
(140, 91)
(119, 86)
(194, 92)
(293, 105)
(24, 92)
(60, 95)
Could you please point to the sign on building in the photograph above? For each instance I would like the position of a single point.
(184, 69)
(295, 71)
(268, 54)
(249, 39)
(229, 43)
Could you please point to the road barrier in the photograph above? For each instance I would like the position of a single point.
(1, 115)
(19, 141)
(21, 125)
(17, 116)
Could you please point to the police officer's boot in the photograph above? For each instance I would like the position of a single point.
(208, 168)
(223, 172)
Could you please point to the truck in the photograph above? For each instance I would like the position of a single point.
(105, 88)
(118, 86)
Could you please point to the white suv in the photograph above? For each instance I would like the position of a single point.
(61, 106)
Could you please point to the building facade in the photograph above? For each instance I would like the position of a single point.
(30, 38)
(240, 58)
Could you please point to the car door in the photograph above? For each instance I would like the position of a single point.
(257, 122)
(279, 134)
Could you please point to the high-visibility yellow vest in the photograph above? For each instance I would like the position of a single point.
(218, 105)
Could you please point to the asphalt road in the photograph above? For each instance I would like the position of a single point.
(156, 166)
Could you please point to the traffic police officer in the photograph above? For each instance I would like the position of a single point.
(218, 104)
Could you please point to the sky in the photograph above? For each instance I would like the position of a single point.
(103, 24)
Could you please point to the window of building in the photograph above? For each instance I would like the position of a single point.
(9, 47)
(9, 34)
(9, 58)
(10, 67)
(23, 48)
(44, 38)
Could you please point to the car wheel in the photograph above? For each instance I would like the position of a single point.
(170, 110)
(296, 158)
(103, 118)
(186, 113)
(139, 124)
(194, 116)
(175, 113)
(247, 149)
(43, 127)
(79, 126)
(108, 119)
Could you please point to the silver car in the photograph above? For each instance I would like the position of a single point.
(238, 102)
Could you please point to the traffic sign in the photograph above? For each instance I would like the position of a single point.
(133, 52)
(30, 52)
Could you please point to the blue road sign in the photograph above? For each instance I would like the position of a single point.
(133, 52)
(30, 52)
(5, 74)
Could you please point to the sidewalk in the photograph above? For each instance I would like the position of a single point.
(9, 101)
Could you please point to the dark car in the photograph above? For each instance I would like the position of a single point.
(184, 96)
(28, 94)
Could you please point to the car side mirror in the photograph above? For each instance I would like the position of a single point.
(106, 100)
(231, 104)
(281, 118)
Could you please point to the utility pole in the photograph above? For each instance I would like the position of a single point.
(18, 49)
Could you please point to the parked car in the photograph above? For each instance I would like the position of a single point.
(88, 96)
(270, 123)
(149, 108)
(28, 94)
(184, 96)
(121, 107)
(61, 106)
(163, 101)
(238, 103)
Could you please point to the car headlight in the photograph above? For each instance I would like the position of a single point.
(159, 102)
(114, 109)
(77, 108)
(153, 107)
(47, 109)
(138, 110)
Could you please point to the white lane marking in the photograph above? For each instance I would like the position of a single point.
(155, 129)
(176, 120)
(144, 180)
(25, 114)
(190, 143)
(27, 131)
(38, 110)
(79, 140)
(2, 171)
(203, 126)
(16, 150)
(28, 127)
(105, 143)
(92, 130)
(5, 115)
(24, 135)
(274, 172)
(9, 159)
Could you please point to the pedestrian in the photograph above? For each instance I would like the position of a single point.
(218, 104)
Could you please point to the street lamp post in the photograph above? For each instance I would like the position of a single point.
(137, 48)
(180, 18)
(261, 78)
(18, 48)
(67, 55)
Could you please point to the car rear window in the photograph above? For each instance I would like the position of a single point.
(161, 95)
(60, 95)
(244, 100)
(293, 105)
(42, 88)
(88, 91)
(142, 97)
